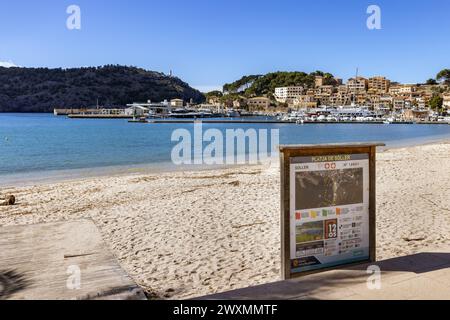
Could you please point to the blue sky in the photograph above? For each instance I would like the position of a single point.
(209, 43)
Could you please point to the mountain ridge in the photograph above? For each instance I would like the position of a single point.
(43, 89)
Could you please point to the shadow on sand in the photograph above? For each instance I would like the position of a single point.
(11, 282)
(339, 278)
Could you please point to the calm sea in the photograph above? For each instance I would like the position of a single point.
(41, 145)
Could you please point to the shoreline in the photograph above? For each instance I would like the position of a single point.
(186, 234)
(55, 176)
(415, 143)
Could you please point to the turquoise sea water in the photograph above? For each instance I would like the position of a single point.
(42, 143)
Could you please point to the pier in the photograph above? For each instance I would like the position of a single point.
(99, 116)
(66, 112)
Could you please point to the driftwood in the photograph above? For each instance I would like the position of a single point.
(409, 239)
(10, 200)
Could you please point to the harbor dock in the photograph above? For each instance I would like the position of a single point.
(255, 121)
(99, 116)
(161, 113)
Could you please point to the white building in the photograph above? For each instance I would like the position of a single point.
(161, 107)
(137, 111)
(285, 94)
(407, 89)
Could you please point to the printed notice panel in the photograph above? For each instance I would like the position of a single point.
(329, 211)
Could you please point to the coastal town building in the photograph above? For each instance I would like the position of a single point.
(137, 111)
(340, 99)
(408, 89)
(305, 102)
(398, 103)
(357, 85)
(409, 103)
(287, 94)
(258, 103)
(325, 89)
(318, 81)
(375, 93)
(342, 89)
(379, 84)
(177, 103)
(383, 105)
(394, 89)
(360, 98)
(323, 94)
(163, 107)
(421, 102)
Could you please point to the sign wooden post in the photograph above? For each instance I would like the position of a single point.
(327, 206)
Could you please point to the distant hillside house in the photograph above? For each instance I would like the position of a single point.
(177, 103)
(394, 90)
(408, 89)
(379, 84)
(318, 81)
(305, 102)
(357, 85)
(258, 103)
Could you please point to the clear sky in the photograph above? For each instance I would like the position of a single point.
(210, 42)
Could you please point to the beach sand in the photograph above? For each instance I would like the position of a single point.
(187, 234)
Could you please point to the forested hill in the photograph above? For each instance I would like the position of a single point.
(255, 85)
(42, 89)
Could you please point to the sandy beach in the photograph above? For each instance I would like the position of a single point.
(187, 234)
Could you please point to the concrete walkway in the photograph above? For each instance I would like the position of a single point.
(424, 275)
(64, 260)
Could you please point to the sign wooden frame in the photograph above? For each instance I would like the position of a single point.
(289, 151)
